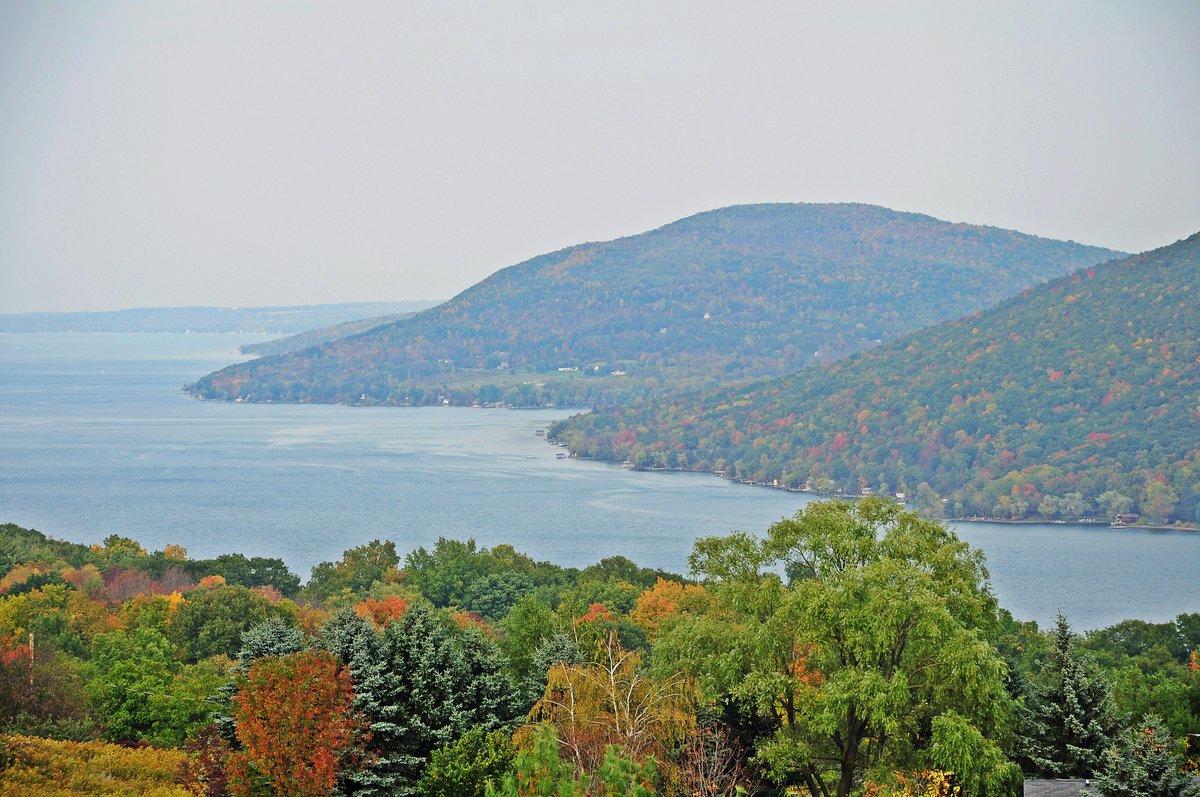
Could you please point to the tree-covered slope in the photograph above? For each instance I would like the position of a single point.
(1077, 397)
(725, 296)
(315, 337)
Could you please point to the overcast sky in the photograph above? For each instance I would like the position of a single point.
(251, 153)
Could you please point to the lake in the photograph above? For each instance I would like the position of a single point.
(96, 438)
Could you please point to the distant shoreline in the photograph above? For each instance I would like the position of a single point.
(1092, 524)
(1098, 523)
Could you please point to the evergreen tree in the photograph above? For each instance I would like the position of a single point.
(486, 689)
(273, 637)
(1069, 720)
(422, 684)
(1030, 726)
(558, 648)
(1143, 764)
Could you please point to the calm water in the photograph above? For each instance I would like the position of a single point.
(96, 438)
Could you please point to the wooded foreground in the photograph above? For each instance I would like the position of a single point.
(853, 649)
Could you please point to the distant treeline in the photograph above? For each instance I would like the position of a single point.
(265, 320)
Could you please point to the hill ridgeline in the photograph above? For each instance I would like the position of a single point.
(719, 298)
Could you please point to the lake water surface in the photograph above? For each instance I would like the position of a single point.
(97, 438)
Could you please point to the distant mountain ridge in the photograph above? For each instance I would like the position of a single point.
(265, 320)
(717, 298)
(1078, 397)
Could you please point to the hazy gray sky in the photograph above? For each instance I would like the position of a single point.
(242, 153)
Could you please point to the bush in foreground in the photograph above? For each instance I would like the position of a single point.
(48, 768)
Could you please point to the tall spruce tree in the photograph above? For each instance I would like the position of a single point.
(422, 684)
(1069, 718)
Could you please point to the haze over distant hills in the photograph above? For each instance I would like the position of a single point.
(315, 337)
(1078, 397)
(717, 298)
(266, 320)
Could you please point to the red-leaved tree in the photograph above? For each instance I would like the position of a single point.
(296, 724)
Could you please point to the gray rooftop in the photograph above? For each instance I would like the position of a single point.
(1037, 787)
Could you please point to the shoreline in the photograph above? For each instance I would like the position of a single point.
(1098, 523)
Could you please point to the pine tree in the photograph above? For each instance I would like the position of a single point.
(1069, 720)
(1029, 721)
(271, 637)
(1143, 764)
(422, 684)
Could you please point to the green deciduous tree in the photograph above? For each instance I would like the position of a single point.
(526, 628)
(355, 572)
(444, 574)
(492, 596)
(876, 657)
(211, 622)
(142, 692)
(466, 767)
(541, 772)
(254, 571)
(1114, 503)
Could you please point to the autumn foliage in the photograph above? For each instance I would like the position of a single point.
(664, 600)
(49, 768)
(296, 724)
(611, 701)
(924, 783)
(382, 611)
(1081, 391)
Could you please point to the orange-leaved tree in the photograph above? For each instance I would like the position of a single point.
(382, 611)
(665, 600)
(920, 783)
(297, 726)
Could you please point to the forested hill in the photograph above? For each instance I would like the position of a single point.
(1080, 397)
(721, 297)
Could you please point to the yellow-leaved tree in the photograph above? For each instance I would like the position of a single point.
(612, 701)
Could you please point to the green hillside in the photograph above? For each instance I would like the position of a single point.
(718, 298)
(1080, 397)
